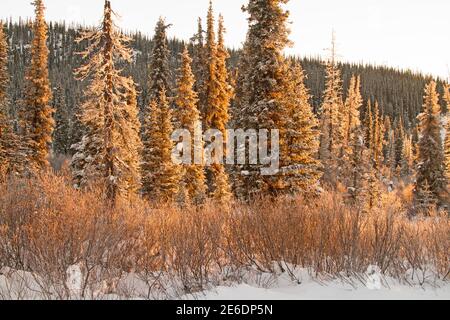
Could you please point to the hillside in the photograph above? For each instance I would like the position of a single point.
(400, 93)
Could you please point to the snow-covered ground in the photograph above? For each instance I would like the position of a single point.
(369, 286)
(328, 291)
(253, 285)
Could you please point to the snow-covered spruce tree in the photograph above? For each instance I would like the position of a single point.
(332, 119)
(447, 134)
(407, 157)
(108, 153)
(399, 138)
(390, 152)
(161, 177)
(77, 129)
(300, 168)
(430, 167)
(159, 72)
(188, 117)
(129, 136)
(378, 138)
(61, 134)
(350, 122)
(212, 85)
(262, 104)
(37, 115)
(11, 156)
(225, 90)
(355, 156)
(353, 103)
(5, 127)
(238, 102)
(358, 169)
(218, 96)
(199, 66)
(369, 126)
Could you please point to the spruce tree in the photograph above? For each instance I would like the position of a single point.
(407, 156)
(263, 93)
(225, 90)
(238, 102)
(11, 158)
(188, 117)
(358, 169)
(378, 138)
(108, 154)
(218, 96)
(161, 177)
(332, 109)
(353, 103)
(159, 65)
(4, 73)
(369, 126)
(373, 197)
(131, 143)
(399, 138)
(61, 139)
(5, 128)
(200, 66)
(350, 122)
(301, 169)
(37, 114)
(430, 168)
(390, 153)
(447, 134)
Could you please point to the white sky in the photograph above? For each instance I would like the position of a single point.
(412, 34)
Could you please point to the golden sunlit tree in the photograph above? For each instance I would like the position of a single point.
(447, 136)
(431, 180)
(188, 117)
(332, 118)
(37, 114)
(109, 151)
(218, 96)
(301, 169)
(378, 137)
(161, 177)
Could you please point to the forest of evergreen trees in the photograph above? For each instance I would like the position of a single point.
(398, 92)
(110, 101)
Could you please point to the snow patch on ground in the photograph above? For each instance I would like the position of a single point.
(370, 286)
(329, 291)
(253, 285)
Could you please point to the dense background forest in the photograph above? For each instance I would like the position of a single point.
(399, 92)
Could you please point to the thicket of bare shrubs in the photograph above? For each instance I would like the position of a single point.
(46, 227)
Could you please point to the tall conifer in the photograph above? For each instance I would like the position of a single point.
(159, 65)
(11, 155)
(430, 168)
(188, 117)
(264, 88)
(301, 169)
(109, 152)
(161, 177)
(37, 113)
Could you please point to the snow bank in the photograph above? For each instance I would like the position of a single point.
(18, 285)
(327, 291)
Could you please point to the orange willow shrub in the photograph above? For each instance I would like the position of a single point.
(46, 227)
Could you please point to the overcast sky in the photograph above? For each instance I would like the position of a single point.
(412, 34)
